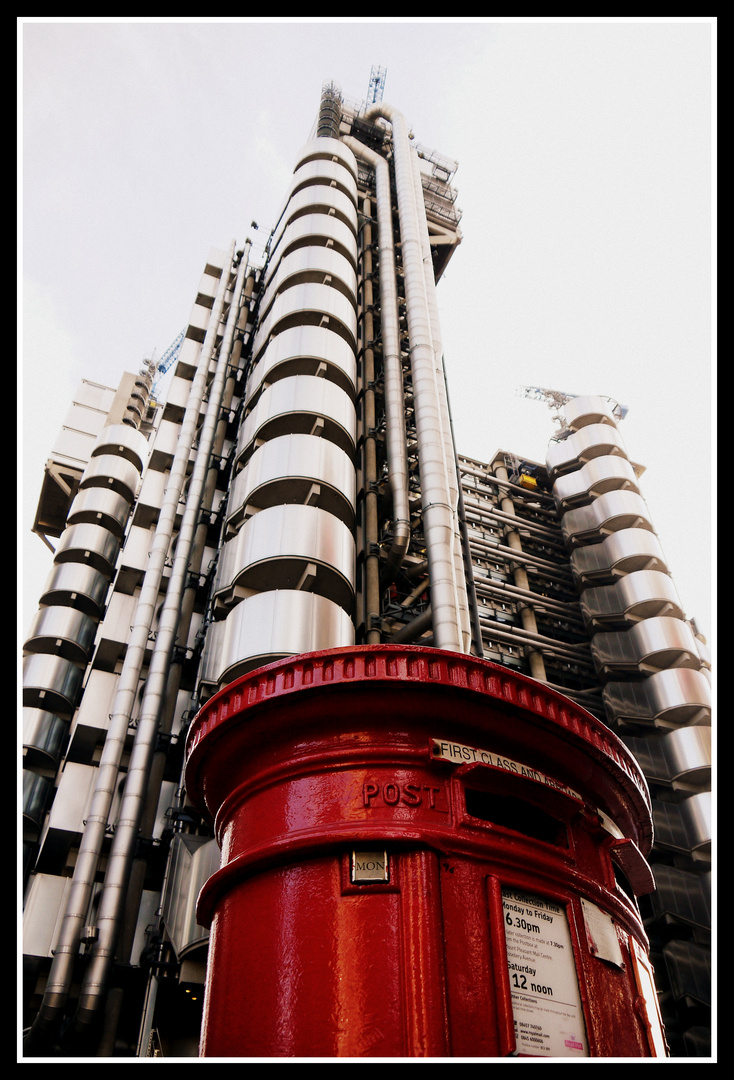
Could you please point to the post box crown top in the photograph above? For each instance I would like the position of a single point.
(428, 675)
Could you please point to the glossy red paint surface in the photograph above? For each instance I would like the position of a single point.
(471, 779)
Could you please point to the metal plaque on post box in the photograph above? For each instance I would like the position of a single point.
(369, 866)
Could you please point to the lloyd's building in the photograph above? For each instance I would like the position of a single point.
(339, 744)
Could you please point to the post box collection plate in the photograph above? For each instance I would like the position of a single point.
(546, 1003)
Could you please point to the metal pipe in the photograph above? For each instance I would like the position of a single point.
(550, 646)
(450, 457)
(75, 914)
(438, 512)
(539, 497)
(396, 444)
(128, 924)
(520, 577)
(549, 534)
(471, 589)
(474, 642)
(414, 629)
(561, 608)
(372, 605)
(534, 561)
(136, 784)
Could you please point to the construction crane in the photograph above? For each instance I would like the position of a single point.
(553, 398)
(377, 85)
(167, 360)
(556, 399)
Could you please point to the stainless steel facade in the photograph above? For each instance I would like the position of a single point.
(573, 587)
(298, 490)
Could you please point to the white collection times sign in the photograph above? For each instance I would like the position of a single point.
(546, 1003)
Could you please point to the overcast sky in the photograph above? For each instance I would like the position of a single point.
(585, 180)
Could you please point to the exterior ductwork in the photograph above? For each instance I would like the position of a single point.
(60, 976)
(138, 773)
(450, 460)
(439, 512)
(272, 804)
(394, 398)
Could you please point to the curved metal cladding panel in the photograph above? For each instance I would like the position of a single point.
(687, 753)
(305, 350)
(287, 547)
(679, 760)
(338, 170)
(665, 698)
(327, 149)
(685, 827)
(99, 506)
(123, 441)
(270, 626)
(648, 646)
(77, 586)
(639, 595)
(595, 478)
(325, 171)
(90, 544)
(310, 231)
(609, 513)
(581, 411)
(296, 469)
(313, 303)
(193, 860)
(111, 472)
(305, 264)
(45, 736)
(368, 884)
(619, 553)
(36, 793)
(62, 630)
(689, 970)
(597, 440)
(51, 682)
(296, 552)
(300, 404)
(704, 651)
(682, 897)
(318, 199)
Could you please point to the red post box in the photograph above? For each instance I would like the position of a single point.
(423, 854)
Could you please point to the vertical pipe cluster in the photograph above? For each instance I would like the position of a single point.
(371, 591)
(87, 863)
(520, 579)
(285, 580)
(136, 791)
(449, 450)
(439, 485)
(397, 458)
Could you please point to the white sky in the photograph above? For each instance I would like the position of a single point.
(585, 152)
